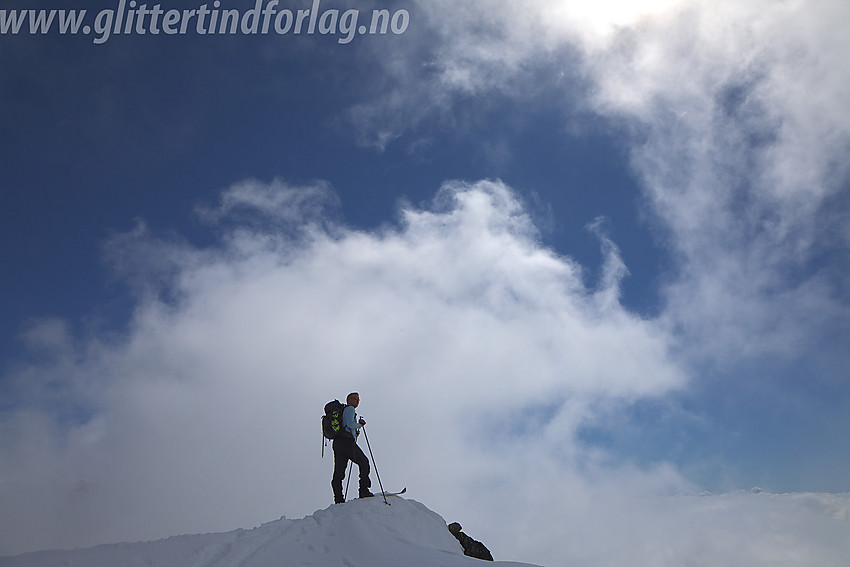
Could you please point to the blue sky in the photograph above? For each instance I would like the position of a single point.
(622, 228)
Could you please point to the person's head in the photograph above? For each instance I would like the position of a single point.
(353, 399)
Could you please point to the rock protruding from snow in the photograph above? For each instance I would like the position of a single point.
(364, 532)
(471, 547)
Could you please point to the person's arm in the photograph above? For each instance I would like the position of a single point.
(348, 419)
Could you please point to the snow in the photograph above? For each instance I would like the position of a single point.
(359, 533)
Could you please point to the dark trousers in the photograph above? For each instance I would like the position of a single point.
(345, 450)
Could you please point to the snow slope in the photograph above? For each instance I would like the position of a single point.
(360, 533)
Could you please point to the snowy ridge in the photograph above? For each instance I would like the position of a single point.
(360, 533)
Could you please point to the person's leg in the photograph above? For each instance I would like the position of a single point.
(362, 462)
(342, 454)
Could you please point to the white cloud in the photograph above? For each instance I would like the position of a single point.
(740, 166)
(478, 354)
(205, 416)
(740, 138)
(250, 201)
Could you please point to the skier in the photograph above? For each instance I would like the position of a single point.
(346, 449)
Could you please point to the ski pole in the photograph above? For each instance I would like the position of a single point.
(350, 464)
(375, 465)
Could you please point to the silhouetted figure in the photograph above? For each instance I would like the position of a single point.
(471, 548)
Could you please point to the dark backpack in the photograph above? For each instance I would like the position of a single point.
(332, 420)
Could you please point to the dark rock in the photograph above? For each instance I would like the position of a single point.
(471, 547)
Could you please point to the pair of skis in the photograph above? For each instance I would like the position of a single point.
(384, 494)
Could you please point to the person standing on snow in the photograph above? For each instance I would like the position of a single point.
(346, 449)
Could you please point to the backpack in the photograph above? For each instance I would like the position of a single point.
(332, 420)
